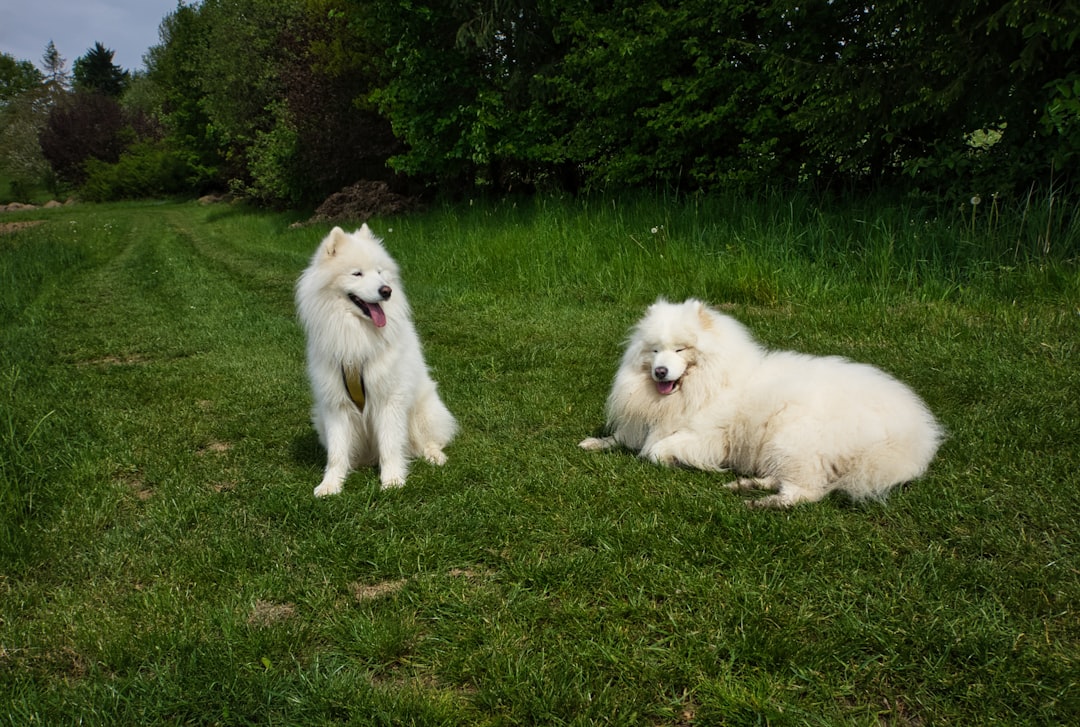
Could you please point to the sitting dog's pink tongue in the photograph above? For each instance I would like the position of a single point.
(665, 387)
(377, 316)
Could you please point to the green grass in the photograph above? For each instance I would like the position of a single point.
(163, 559)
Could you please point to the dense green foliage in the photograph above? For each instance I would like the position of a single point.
(164, 562)
(16, 78)
(697, 93)
(145, 169)
(287, 102)
(287, 126)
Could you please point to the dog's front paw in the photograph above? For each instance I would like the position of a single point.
(659, 454)
(392, 477)
(435, 455)
(597, 443)
(327, 488)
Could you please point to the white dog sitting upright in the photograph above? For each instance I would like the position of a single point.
(695, 389)
(374, 400)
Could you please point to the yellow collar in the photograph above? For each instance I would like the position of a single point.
(354, 384)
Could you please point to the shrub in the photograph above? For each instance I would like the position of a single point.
(146, 169)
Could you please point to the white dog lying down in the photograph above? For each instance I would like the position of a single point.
(374, 398)
(695, 389)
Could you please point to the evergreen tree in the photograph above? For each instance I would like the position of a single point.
(56, 75)
(95, 72)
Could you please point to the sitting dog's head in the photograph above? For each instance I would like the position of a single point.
(364, 273)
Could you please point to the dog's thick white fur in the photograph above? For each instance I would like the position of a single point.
(695, 389)
(359, 329)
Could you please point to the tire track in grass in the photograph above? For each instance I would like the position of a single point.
(243, 306)
(161, 352)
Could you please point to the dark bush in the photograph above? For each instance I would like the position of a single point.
(83, 126)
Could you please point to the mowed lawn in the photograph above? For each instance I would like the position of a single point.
(164, 561)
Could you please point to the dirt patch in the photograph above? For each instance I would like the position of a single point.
(360, 202)
(214, 199)
(113, 361)
(268, 613)
(469, 573)
(363, 592)
(133, 479)
(10, 228)
(213, 448)
(140, 489)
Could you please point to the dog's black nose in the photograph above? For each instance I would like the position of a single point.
(660, 372)
(385, 292)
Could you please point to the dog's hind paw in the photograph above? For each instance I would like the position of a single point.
(772, 502)
(743, 484)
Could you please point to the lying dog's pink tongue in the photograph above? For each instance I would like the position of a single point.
(377, 316)
(665, 387)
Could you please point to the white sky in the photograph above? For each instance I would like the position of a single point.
(128, 27)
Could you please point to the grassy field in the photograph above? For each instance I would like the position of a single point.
(164, 561)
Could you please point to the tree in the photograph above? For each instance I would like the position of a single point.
(95, 72)
(324, 136)
(176, 67)
(674, 93)
(700, 94)
(22, 114)
(291, 123)
(56, 76)
(83, 126)
(550, 92)
(458, 85)
(16, 78)
(958, 97)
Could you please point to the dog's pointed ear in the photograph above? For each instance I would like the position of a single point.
(366, 232)
(704, 314)
(334, 240)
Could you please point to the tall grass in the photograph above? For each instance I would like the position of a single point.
(167, 562)
(23, 474)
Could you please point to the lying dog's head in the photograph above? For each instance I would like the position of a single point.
(665, 342)
(668, 366)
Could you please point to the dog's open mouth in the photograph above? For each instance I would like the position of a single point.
(667, 387)
(373, 311)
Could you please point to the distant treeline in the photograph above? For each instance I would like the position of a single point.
(287, 101)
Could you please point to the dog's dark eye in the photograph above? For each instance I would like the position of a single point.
(358, 274)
